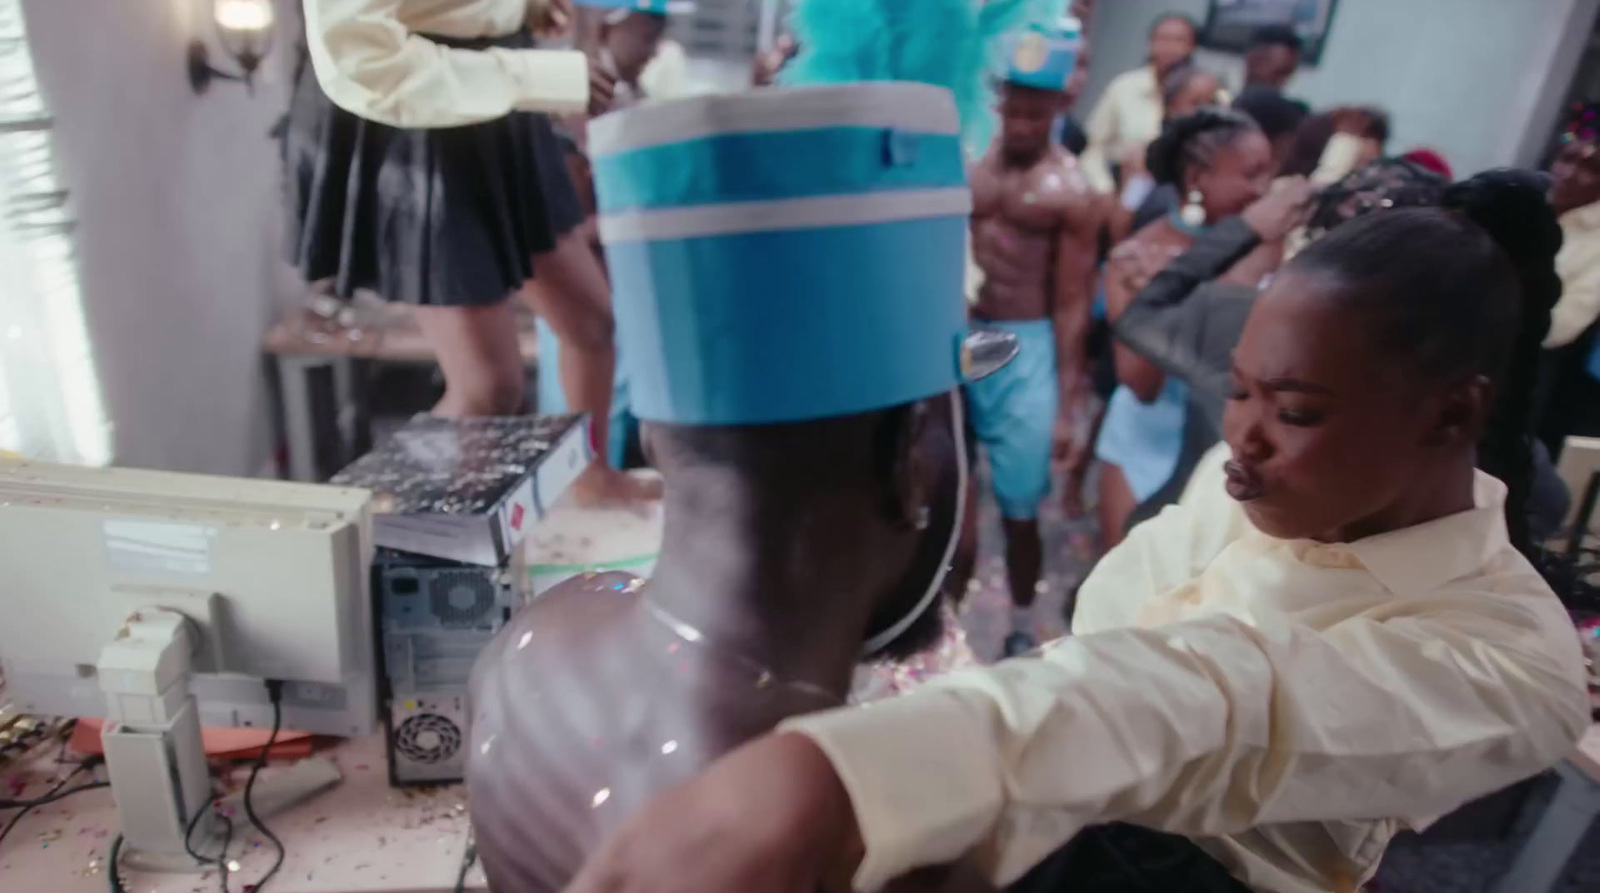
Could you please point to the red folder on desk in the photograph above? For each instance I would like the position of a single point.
(220, 744)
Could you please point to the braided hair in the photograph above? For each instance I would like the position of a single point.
(1188, 143)
(1384, 184)
(1470, 294)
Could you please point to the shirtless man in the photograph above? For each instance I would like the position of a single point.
(813, 487)
(1035, 226)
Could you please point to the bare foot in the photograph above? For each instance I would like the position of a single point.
(602, 486)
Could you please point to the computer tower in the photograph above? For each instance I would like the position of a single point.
(434, 617)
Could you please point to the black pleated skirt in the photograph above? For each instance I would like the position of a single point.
(450, 216)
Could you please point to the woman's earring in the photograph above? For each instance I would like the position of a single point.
(1194, 213)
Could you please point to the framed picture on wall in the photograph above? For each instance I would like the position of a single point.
(1231, 23)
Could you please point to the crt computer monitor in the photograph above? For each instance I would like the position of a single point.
(284, 564)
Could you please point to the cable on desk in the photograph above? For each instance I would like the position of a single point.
(111, 868)
(275, 694)
(49, 797)
(221, 861)
(468, 859)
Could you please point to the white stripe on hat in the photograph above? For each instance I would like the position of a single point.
(789, 214)
(919, 108)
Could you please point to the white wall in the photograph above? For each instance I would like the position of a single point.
(1479, 80)
(177, 198)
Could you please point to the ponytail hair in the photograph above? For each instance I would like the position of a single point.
(1513, 208)
(1460, 290)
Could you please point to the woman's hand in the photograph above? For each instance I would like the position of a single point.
(764, 70)
(1275, 215)
(602, 87)
(771, 817)
(1072, 448)
(552, 20)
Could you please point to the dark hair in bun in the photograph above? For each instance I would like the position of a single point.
(1188, 143)
(1460, 290)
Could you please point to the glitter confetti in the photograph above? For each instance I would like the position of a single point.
(455, 467)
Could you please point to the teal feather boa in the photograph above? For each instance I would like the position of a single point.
(956, 44)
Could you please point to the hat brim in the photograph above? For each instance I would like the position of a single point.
(987, 351)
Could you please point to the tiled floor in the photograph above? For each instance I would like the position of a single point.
(1453, 868)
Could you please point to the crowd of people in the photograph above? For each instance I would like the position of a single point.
(1236, 182)
(1323, 383)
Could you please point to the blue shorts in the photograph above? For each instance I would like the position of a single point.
(1144, 440)
(553, 400)
(1013, 412)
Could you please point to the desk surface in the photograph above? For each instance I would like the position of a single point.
(360, 837)
(395, 339)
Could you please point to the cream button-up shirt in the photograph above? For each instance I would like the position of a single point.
(1579, 266)
(372, 61)
(1287, 705)
(1127, 117)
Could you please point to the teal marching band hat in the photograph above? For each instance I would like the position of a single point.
(658, 7)
(787, 255)
(1045, 56)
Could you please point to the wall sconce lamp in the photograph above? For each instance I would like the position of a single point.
(245, 30)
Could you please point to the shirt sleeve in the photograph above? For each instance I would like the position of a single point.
(371, 66)
(1207, 727)
(1579, 305)
(1102, 131)
(1186, 324)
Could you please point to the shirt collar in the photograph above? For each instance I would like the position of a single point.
(1422, 558)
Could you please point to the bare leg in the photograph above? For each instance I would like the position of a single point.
(1024, 563)
(572, 295)
(477, 350)
(1024, 560)
(1117, 503)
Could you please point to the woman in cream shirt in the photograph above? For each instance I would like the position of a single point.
(1331, 639)
(1128, 115)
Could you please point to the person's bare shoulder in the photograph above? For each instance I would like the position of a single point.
(567, 619)
(1061, 179)
(985, 169)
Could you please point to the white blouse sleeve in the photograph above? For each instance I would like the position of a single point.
(371, 66)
